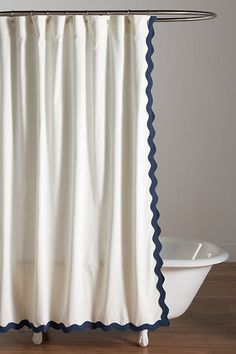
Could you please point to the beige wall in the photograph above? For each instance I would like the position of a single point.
(195, 104)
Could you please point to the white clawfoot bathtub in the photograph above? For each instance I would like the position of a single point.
(186, 264)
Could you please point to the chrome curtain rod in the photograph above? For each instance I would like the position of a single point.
(165, 15)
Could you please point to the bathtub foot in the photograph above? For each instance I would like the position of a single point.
(37, 338)
(143, 338)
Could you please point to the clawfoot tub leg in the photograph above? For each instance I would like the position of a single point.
(37, 338)
(143, 338)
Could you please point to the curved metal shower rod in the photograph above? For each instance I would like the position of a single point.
(163, 15)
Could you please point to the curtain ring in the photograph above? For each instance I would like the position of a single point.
(12, 13)
(127, 12)
(148, 11)
(32, 13)
(86, 12)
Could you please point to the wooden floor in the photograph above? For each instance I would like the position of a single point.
(208, 327)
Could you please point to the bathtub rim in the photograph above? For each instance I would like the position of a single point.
(222, 255)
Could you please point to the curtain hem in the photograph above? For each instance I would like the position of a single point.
(76, 327)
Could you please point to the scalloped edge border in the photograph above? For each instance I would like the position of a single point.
(153, 166)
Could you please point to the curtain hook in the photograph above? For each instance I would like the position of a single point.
(86, 14)
(12, 17)
(127, 12)
(108, 13)
(148, 11)
(32, 13)
(67, 18)
(47, 14)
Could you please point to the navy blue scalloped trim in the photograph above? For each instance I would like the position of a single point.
(76, 327)
(163, 321)
(153, 167)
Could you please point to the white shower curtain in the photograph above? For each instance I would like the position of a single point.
(78, 219)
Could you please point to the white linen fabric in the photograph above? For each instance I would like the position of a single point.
(76, 244)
